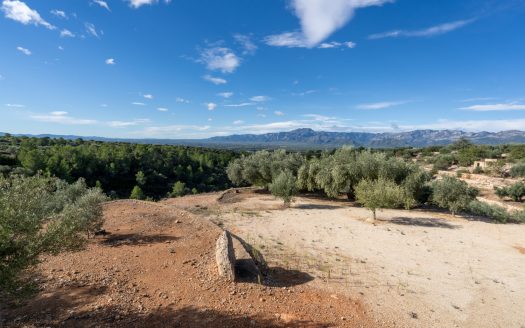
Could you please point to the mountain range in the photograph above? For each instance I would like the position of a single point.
(308, 138)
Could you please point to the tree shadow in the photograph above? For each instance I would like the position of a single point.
(135, 240)
(423, 222)
(74, 314)
(317, 207)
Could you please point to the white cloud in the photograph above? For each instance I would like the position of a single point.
(102, 4)
(123, 124)
(138, 3)
(214, 80)
(245, 41)
(162, 109)
(225, 94)
(495, 107)
(220, 59)
(211, 106)
(304, 93)
(15, 105)
(110, 61)
(278, 113)
(138, 104)
(20, 12)
(182, 100)
(60, 48)
(240, 105)
(177, 131)
(61, 117)
(319, 19)
(23, 50)
(238, 122)
(335, 44)
(431, 31)
(381, 105)
(59, 13)
(260, 98)
(67, 33)
(148, 96)
(91, 29)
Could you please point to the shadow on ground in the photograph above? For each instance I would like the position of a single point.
(135, 239)
(422, 222)
(317, 207)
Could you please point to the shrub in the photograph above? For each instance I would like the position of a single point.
(284, 187)
(179, 189)
(380, 193)
(137, 193)
(493, 212)
(452, 194)
(42, 216)
(516, 192)
(518, 170)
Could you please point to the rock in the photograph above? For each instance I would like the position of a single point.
(225, 256)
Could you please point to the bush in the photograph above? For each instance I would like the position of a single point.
(518, 170)
(493, 212)
(284, 187)
(516, 192)
(179, 189)
(381, 193)
(137, 193)
(452, 194)
(42, 216)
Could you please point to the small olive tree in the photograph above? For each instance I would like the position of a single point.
(381, 193)
(516, 192)
(284, 187)
(453, 194)
(42, 216)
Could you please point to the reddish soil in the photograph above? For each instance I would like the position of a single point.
(520, 249)
(156, 268)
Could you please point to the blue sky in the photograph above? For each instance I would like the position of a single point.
(200, 68)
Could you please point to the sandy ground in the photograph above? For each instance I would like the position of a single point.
(410, 268)
(157, 268)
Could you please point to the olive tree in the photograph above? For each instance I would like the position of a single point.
(284, 187)
(42, 216)
(453, 194)
(516, 192)
(380, 193)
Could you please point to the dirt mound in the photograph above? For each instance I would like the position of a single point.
(156, 268)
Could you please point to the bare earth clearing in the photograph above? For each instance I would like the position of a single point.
(157, 268)
(411, 268)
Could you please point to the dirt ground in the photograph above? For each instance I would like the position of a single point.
(157, 268)
(409, 268)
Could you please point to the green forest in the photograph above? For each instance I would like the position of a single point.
(121, 170)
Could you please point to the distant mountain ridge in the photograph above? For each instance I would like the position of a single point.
(308, 138)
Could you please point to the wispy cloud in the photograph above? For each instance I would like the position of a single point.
(278, 113)
(102, 4)
(211, 106)
(260, 98)
(162, 109)
(319, 19)
(123, 124)
(61, 117)
(23, 50)
(381, 105)
(238, 122)
(220, 59)
(225, 94)
(110, 61)
(91, 29)
(214, 80)
(495, 107)
(15, 105)
(430, 31)
(138, 103)
(59, 13)
(20, 12)
(182, 100)
(66, 34)
(139, 3)
(249, 48)
(334, 44)
(246, 104)
(148, 96)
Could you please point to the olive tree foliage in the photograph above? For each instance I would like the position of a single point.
(41, 215)
(284, 187)
(453, 194)
(341, 172)
(262, 167)
(516, 191)
(380, 193)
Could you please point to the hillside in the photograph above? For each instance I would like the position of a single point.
(308, 138)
